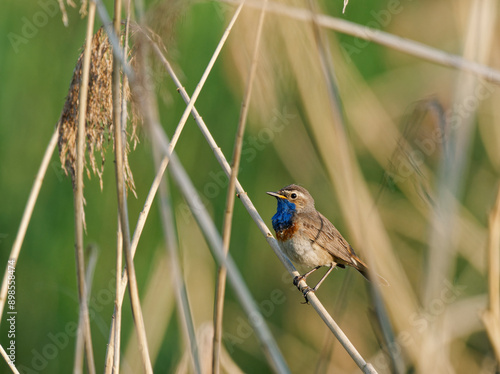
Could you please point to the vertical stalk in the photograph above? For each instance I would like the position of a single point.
(181, 295)
(491, 316)
(78, 196)
(122, 205)
(117, 322)
(494, 259)
(228, 216)
(112, 361)
(80, 343)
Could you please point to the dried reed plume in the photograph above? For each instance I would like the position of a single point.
(99, 128)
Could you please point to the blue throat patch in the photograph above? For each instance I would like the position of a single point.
(283, 217)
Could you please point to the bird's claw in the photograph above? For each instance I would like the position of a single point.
(305, 292)
(297, 279)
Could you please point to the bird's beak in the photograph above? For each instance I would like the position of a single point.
(276, 195)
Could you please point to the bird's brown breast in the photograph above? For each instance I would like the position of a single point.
(287, 233)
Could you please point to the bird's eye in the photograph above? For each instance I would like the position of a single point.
(293, 195)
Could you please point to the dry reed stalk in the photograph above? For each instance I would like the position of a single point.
(373, 120)
(345, 167)
(377, 131)
(113, 351)
(452, 168)
(28, 211)
(158, 307)
(121, 179)
(117, 321)
(7, 360)
(228, 215)
(206, 73)
(454, 158)
(205, 335)
(141, 221)
(89, 276)
(115, 340)
(178, 282)
(384, 38)
(119, 119)
(122, 280)
(77, 167)
(491, 316)
(328, 345)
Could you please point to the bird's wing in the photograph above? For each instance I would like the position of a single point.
(322, 232)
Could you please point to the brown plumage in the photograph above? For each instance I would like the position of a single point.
(307, 237)
(323, 233)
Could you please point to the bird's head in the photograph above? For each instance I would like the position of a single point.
(298, 198)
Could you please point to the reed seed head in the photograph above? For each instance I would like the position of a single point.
(99, 114)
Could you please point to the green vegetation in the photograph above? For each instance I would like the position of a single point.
(409, 177)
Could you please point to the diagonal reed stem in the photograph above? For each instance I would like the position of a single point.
(228, 215)
(28, 211)
(175, 264)
(7, 359)
(206, 73)
(84, 321)
(383, 38)
(215, 243)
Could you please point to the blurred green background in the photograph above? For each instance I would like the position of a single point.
(35, 76)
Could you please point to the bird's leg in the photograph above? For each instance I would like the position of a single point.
(298, 278)
(309, 289)
(324, 277)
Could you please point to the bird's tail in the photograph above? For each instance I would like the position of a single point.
(368, 274)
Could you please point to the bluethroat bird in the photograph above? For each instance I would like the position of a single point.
(308, 238)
